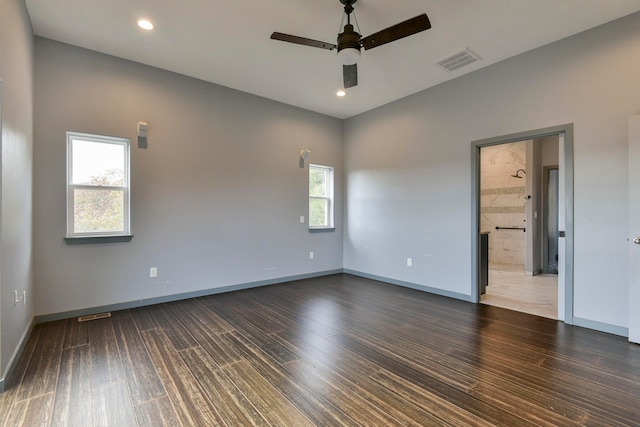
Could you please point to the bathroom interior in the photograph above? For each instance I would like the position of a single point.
(519, 216)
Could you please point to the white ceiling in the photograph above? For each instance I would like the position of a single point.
(227, 41)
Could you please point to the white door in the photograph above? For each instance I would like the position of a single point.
(634, 229)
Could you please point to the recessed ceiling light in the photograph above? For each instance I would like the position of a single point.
(145, 24)
(341, 93)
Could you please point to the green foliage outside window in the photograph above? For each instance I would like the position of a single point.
(318, 197)
(317, 212)
(99, 210)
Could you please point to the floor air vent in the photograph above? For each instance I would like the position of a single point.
(459, 60)
(94, 317)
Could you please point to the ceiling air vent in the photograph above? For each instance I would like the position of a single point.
(459, 60)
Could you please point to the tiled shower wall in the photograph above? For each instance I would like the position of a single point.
(503, 200)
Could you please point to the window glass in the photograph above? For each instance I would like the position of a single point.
(97, 185)
(320, 196)
(98, 211)
(317, 182)
(98, 163)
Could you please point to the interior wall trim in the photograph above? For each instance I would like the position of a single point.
(15, 357)
(435, 291)
(178, 297)
(602, 327)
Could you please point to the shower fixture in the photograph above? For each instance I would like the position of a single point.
(517, 174)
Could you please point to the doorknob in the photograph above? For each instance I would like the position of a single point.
(637, 240)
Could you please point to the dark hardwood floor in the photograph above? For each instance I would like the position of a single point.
(331, 351)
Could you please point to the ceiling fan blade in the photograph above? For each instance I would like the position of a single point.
(350, 75)
(303, 41)
(398, 31)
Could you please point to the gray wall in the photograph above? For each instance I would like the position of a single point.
(216, 197)
(408, 166)
(16, 109)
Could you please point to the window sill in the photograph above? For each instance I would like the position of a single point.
(322, 230)
(90, 240)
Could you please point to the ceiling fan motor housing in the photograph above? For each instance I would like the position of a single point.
(348, 39)
(349, 45)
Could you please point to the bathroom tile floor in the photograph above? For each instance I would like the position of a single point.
(510, 288)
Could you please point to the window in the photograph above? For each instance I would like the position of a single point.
(320, 196)
(97, 185)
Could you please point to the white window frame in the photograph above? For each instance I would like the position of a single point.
(329, 198)
(125, 189)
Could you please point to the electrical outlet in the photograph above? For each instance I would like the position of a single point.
(301, 219)
(153, 272)
(311, 255)
(409, 262)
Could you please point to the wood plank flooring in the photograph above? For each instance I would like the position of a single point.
(331, 351)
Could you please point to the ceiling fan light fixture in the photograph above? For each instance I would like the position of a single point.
(349, 56)
(350, 42)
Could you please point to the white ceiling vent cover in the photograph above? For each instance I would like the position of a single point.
(459, 60)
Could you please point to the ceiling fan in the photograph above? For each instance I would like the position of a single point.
(350, 42)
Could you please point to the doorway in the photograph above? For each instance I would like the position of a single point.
(512, 220)
(540, 246)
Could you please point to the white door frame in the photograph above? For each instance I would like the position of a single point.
(1, 146)
(634, 229)
(565, 164)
